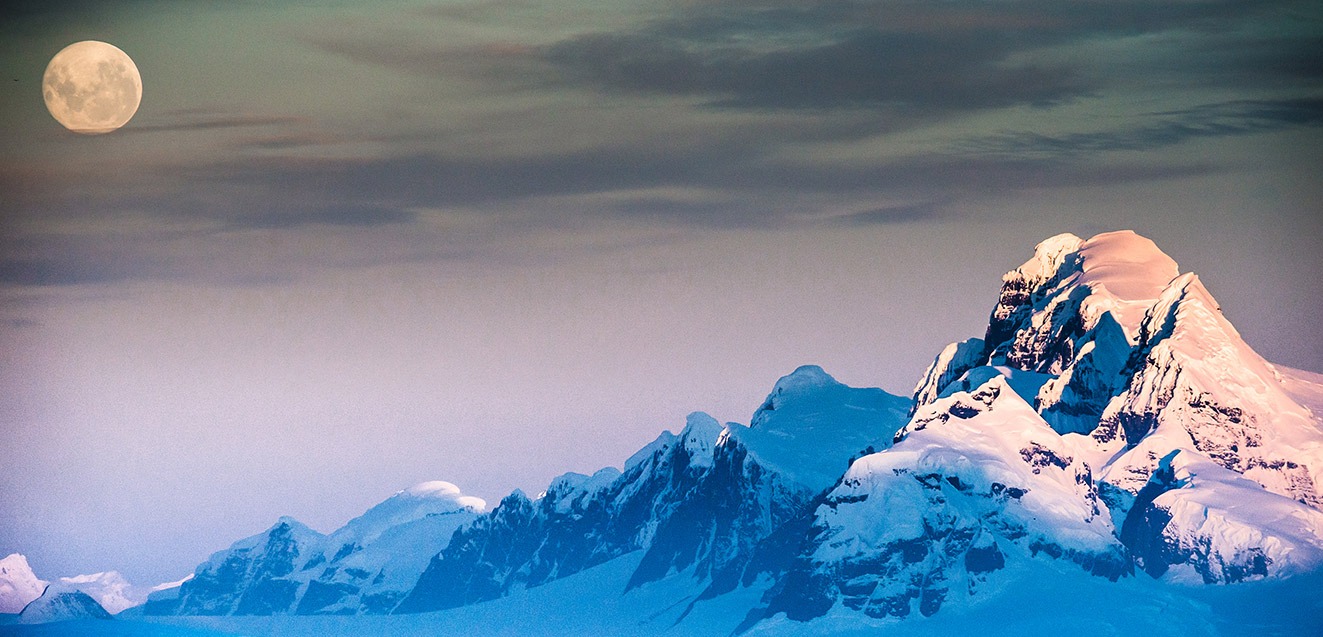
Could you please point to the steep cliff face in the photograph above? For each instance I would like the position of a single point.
(252, 576)
(768, 474)
(578, 523)
(1193, 381)
(1073, 312)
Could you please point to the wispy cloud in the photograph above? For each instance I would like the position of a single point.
(1162, 129)
(208, 121)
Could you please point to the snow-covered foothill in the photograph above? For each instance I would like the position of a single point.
(60, 603)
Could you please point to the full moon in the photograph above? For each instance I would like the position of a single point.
(92, 87)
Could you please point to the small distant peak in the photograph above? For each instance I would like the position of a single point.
(15, 559)
(804, 381)
(701, 425)
(1129, 265)
(663, 441)
(104, 576)
(295, 525)
(805, 377)
(433, 489)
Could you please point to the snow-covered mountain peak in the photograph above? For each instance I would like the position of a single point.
(804, 378)
(800, 389)
(995, 394)
(1193, 382)
(810, 423)
(1127, 265)
(432, 488)
(570, 490)
(660, 444)
(1049, 257)
(435, 497)
(1188, 317)
(294, 525)
(18, 584)
(699, 438)
(109, 589)
(14, 561)
(975, 483)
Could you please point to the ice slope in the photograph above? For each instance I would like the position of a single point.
(373, 561)
(1197, 521)
(18, 584)
(811, 426)
(1194, 381)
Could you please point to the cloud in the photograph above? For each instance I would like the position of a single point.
(57, 272)
(1224, 119)
(350, 213)
(197, 121)
(863, 69)
(699, 114)
(925, 211)
(936, 58)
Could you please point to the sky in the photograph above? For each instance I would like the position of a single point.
(345, 247)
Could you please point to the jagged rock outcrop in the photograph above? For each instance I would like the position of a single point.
(368, 566)
(697, 503)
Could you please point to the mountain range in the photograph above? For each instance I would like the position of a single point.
(1110, 426)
